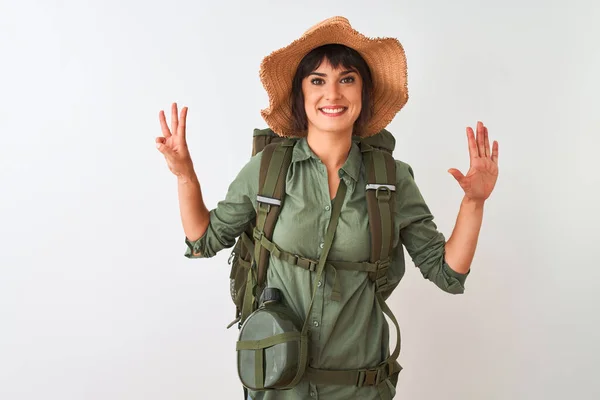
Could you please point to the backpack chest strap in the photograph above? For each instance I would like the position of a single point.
(377, 271)
(310, 264)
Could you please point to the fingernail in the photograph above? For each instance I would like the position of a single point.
(158, 145)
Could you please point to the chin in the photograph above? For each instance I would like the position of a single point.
(334, 127)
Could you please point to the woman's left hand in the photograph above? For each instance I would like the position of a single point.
(481, 178)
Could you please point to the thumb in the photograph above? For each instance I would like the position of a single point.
(456, 174)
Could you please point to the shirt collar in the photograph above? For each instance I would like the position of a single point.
(351, 167)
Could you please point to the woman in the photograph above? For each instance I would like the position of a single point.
(324, 88)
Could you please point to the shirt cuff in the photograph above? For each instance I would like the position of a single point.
(456, 280)
(196, 248)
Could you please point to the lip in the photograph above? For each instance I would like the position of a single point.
(333, 106)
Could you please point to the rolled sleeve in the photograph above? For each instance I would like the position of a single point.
(424, 243)
(196, 248)
(231, 216)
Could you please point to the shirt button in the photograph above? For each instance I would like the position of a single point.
(327, 208)
(322, 245)
(316, 323)
(319, 284)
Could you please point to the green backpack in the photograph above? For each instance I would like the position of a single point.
(250, 256)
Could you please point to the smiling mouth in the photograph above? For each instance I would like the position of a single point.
(333, 112)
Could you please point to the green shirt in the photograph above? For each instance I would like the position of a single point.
(351, 333)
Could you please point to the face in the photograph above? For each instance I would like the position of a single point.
(332, 98)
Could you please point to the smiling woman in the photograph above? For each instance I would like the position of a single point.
(320, 218)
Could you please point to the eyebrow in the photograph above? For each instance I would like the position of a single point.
(341, 73)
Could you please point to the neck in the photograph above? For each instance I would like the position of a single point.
(332, 148)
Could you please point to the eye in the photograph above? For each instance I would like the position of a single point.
(348, 79)
(317, 81)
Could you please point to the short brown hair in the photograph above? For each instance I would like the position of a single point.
(337, 55)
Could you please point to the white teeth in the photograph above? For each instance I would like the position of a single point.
(332, 110)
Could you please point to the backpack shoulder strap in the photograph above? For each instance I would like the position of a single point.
(381, 199)
(381, 195)
(275, 161)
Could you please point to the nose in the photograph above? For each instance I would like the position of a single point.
(333, 91)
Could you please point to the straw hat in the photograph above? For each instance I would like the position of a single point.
(385, 57)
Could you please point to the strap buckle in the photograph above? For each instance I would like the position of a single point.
(268, 200)
(379, 277)
(370, 377)
(383, 192)
(257, 235)
(380, 284)
(311, 265)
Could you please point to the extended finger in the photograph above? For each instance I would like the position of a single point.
(174, 119)
(163, 124)
(181, 131)
(480, 141)
(486, 143)
(472, 144)
(495, 152)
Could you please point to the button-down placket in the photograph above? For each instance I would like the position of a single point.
(316, 317)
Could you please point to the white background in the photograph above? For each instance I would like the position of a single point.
(96, 298)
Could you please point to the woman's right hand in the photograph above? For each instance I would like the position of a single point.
(173, 144)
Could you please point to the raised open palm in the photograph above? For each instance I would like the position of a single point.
(481, 178)
(173, 144)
